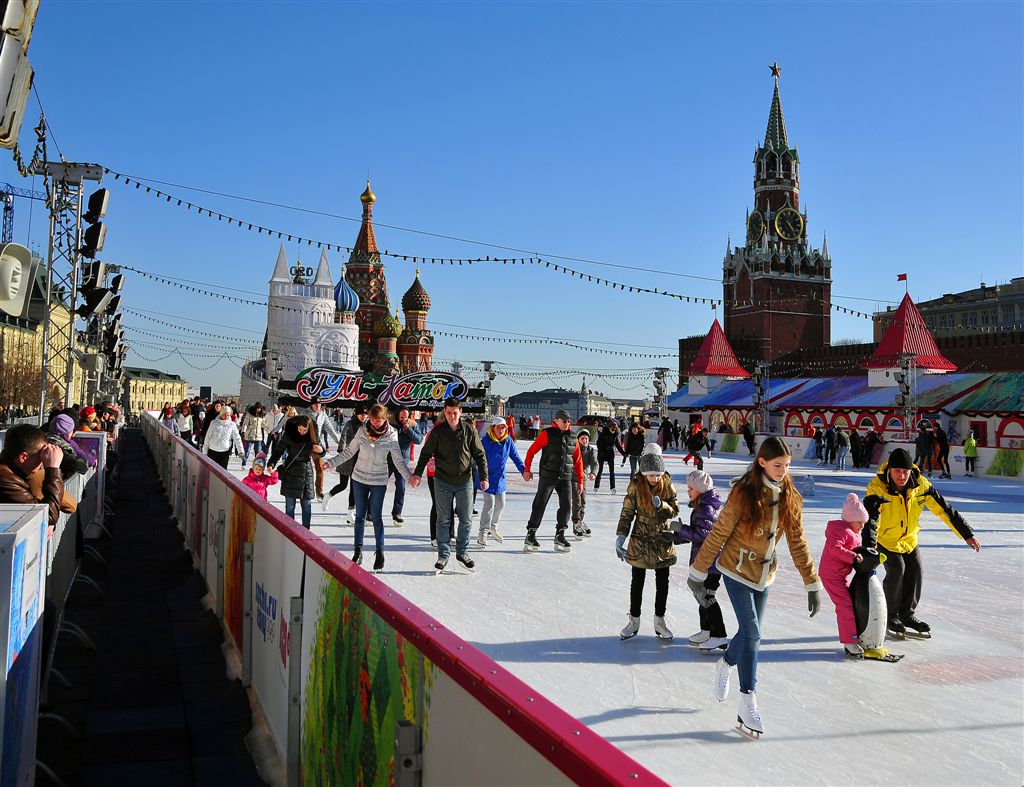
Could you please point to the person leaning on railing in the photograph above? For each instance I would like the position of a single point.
(25, 451)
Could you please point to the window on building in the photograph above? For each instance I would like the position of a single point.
(984, 318)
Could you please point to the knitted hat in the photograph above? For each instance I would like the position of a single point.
(87, 411)
(651, 461)
(853, 509)
(583, 433)
(360, 409)
(700, 481)
(899, 459)
(563, 415)
(260, 460)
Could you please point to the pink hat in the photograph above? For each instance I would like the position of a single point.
(853, 509)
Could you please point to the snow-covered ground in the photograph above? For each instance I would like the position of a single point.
(952, 712)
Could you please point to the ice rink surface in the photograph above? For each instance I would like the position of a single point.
(952, 712)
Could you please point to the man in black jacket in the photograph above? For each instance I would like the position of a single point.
(454, 446)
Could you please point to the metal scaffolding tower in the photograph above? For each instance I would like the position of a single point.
(66, 180)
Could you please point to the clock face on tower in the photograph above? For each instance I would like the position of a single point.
(789, 224)
(755, 226)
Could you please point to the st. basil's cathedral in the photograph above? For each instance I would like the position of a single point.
(349, 325)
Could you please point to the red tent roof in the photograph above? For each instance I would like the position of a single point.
(716, 356)
(907, 333)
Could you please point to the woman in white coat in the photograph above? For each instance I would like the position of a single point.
(373, 442)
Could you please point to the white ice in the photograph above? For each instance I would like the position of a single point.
(952, 712)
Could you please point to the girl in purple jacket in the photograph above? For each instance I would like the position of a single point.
(705, 504)
(842, 537)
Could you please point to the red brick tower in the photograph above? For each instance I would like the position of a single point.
(777, 290)
(365, 274)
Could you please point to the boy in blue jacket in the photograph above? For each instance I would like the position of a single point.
(499, 447)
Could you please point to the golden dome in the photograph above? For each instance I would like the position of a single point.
(368, 197)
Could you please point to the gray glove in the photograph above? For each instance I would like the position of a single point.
(620, 547)
(655, 501)
(700, 593)
(813, 602)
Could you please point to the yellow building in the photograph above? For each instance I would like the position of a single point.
(21, 351)
(148, 389)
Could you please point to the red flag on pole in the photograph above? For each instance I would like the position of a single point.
(901, 277)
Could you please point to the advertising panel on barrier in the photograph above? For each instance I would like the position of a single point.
(358, 678)
(241, 530)
(22, 589)
(276, 578)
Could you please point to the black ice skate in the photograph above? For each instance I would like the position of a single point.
(917, 628)
(561, 545)
(467, 563)
(897, 630)
(357, 556)
(378, 561)
(440, 564)
(531, 544)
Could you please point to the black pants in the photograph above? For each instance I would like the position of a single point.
(711, 617)
(540, 502)
(969, 463)
(944, 460)
(611, 472)
(750, 444)
(636, 591)
(220, 457)
(902, 584)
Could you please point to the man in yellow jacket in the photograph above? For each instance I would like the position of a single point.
(895, 499)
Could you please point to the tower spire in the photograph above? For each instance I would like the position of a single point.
(775, 135)
(366, 241)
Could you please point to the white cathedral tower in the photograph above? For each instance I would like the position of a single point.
(308, 324)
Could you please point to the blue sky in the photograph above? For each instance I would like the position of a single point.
(618, 132)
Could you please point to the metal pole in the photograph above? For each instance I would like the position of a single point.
(54, 196)
(74, 254)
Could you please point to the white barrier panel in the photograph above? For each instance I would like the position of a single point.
(22, 590)
(357, 684)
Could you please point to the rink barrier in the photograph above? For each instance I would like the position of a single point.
(331, 653)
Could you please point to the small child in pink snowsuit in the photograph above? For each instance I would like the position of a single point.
(257, 480)
(842, 537)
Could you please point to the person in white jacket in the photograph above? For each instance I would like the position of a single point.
(374, 442)
(221, 437)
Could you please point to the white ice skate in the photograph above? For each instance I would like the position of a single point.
(351, 517)
(661, 629)
(496, 535)
(723, 674)
(853, 650)
(325, 502)
(749, 718)
(711, 644)
(701, 636)
(481, 538)
(632, 627)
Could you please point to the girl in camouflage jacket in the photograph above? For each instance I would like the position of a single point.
(649, 504)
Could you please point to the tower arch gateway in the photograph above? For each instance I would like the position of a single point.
(776, 299)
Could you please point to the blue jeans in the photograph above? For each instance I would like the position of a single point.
(634, 462)
(841, 456)
(307, 510)
(748, 604)
(463, 499)
(249, 445)
(369, 500)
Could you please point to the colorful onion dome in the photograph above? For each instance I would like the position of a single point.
(416, 298)
(345, 298)
(387, 326)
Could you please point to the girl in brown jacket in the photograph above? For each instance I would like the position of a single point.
(649, 504)
(764, 505)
